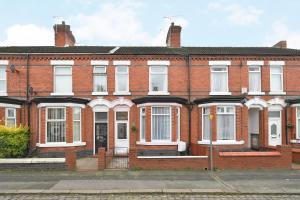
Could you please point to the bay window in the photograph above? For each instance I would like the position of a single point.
(142, 124)
(62, 79)
(298, 123)
(76, 124)
(219, 79)
(276, 79)
(100, 79)
(158, 79)
(3, 79)
(254, 79)
(56, 124)
(161, 123)
(205, 123)
(225, 123)
(122, 79)
(10, 117)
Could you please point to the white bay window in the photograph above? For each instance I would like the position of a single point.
(298, 123)
(10, 117)
(56, 125)
(205, 123)
(161, 123)
(225, 123)
(76, 124)
(142, 124)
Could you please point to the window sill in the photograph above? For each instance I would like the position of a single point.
(222, 142)
(99, 93)
(156, 143)
(122, 93)
(220, 93)
(277, 93)
(158, 93)
(297, 141)
(61, 144)
(2, 94)
(62, 94)
(256, 93)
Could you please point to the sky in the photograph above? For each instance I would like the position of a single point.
(146, 22)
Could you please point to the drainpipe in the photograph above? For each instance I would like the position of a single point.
(286, 123)
(27, 90)
(190, 105)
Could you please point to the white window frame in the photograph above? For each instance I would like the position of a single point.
(178, 134)
(279, 92)
(234, 121)
(54, 80)
(7, 117)
(117, 92)
(142, 115)
(4, 92)
(163, 92)
(207, 114)
(80, 125)
(101, 74)
(254, 72)
(211, 80)
(297, 124)
(158, 141)
(46, 128)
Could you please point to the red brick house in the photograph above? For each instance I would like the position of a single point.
(153, 99)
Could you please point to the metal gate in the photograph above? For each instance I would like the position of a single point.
(117, 158)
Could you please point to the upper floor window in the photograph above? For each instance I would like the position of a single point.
(225, 123)
(76, 124)
(219, 79)
(161, 123)
(56, 124)
(276, 78)
(62, 79)
(254, 79)
(10, 117)
(2, 79)
(158, 79)
(122, 79)
(100, 79)
(205, 123)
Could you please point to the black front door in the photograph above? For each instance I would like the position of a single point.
(100, 136)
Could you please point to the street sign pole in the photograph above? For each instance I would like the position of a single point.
(210, 144)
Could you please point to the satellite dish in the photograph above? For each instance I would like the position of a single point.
(12, 68)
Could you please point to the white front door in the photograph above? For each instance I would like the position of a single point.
(274, 128)
(121, 132)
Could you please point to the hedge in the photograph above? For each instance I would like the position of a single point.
(13, 141)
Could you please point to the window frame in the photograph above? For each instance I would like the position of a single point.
(4, 92)
(7, 117)
(100, 74)
(80, 125)
(178, 118)
(227, 113)
(166, 74)
(46, 126)
(297, 124)
(55, 92)
(170, 109)
(142, 115)
(117, 91)
(252, 72)
(202, 138)
(211, 78)
(281, 77)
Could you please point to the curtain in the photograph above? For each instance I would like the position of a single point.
(122, 82)
(100, 83)
(56, 125)
(63, 83)
(225, 127)
(161, 123)
(206, 127)
(219, 81)
(76, 124)
(254, 82)
(276, 82)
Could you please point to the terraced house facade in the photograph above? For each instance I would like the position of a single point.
(159, 101)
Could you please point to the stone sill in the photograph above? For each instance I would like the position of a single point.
(249, 154)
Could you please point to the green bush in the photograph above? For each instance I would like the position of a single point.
(13, 141)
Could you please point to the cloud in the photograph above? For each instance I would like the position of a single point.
(27, 35)
(280, 31)
(117, 24)
(237, 14)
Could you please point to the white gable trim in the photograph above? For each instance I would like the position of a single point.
(277, 101)
(256, 103)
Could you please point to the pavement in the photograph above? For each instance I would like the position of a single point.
(167, 183)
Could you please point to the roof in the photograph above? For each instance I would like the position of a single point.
(149, 50)
(160, 99)
(53, 99)
(223, 99)
(12, 100)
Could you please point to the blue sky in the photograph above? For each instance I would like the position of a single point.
(145, 22)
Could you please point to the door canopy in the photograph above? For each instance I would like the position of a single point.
(256, 103)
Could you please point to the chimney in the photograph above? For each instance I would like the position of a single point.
(173, 37)
(63, 35)
(281, 44)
